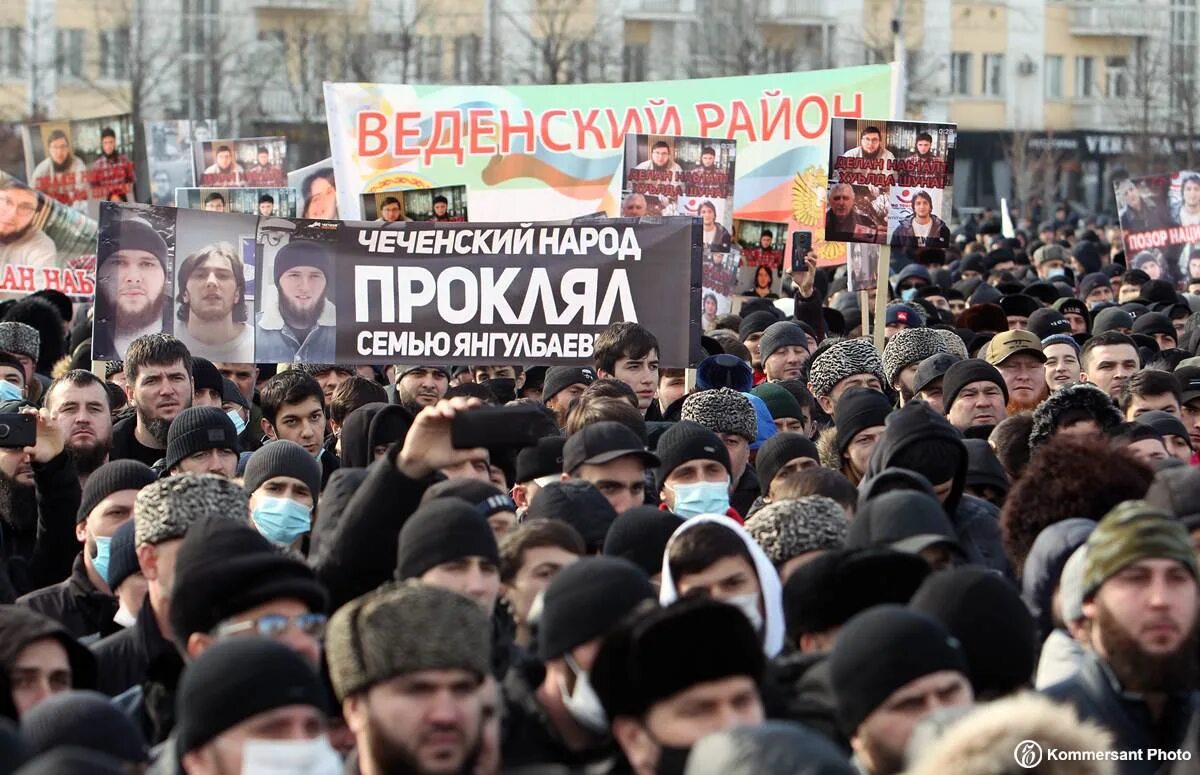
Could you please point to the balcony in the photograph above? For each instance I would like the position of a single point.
(660, 10)
(297, 5)
(1135, 20)
(1107, 113)
(801, 12)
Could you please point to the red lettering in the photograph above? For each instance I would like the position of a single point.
(508, 129)
(371, 140)
(840, 111)
(823, 111)
(480, 123)
(740, 122)
(585, 126)
(547, 139)
(707, 124)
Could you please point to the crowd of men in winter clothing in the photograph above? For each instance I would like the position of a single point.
(973, 552)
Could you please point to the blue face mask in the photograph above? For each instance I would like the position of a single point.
(239, 424)
(282, 520)
(908, 294)
(10, 392)
(1056, 272)
(692, 500)
(103, 552)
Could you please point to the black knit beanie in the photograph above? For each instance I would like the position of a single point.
(235, 680)
(684, 441)
(964, 373)
(756, 323)
(968, 601)
(282, 458)
(389, 425)
(196, 429)
(776, 451)
(578, 503)
(858, 409)
(225, 567)
(206, 377)
(301, 253)
(111, 477)
(881, 650)
(84, 719)
(440, 531)
(587, 599)
(640, 535)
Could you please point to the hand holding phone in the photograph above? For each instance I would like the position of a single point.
(801, 246)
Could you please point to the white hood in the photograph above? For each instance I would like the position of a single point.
(768, 579)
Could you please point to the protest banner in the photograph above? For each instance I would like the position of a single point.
(170, 160)
(244, 162)
(446, 204)
(862, 262)
(357, 292)
(186, 272)
(719, 277)
(890, 182)
(43, 244)
(317, 188)
(266, 202)
(1160, 223)
(77, 161)
(556, 151)
(759, 246)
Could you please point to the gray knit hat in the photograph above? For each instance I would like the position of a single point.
(789, 528)
(844, 359)
(908, 346)
(722, 411)
(403, 628)
(283, 458)
(20, 339)
(952, 343)
(165, 509)
(785, 333)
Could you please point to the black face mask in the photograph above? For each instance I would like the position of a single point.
(672, 760)
(505, 389)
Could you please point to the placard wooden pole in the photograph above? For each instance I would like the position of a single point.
(881, 294)
(864, 306)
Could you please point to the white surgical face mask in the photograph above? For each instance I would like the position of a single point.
(583, 704)
(291, 757)
(748, 604)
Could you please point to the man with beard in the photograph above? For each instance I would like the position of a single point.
(263, 172)
(130, 287)
(1018, 356)
(78, 405)
(225, 171)
(158, 374)
(61, 172)
(112, 171)
(83, 603)
(407, 663)
(39, 493)
(420, 386)
(22, 244)
(302, 327)
(1140, 593)
(212, 304)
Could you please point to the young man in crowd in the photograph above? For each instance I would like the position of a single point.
(78, 404)
(293, 406)
(613, 458)
(1148, 391)
(1109, 360)
(628, 352)
(158, 373)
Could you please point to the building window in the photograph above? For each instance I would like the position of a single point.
(429, 58)
(199, 30)
(69, 54)
(960, 73)
(10, 52)
(114, 54)
(1054, 77)
(634, 63)
(466, 58)
(1116, 77)
(993, 75)
(1085, 77)
(579, 60)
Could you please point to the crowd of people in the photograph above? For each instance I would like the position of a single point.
(974, 552)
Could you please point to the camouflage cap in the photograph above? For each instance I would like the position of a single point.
(1133, 531)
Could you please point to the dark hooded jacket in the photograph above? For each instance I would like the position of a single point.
(37, 534)
(76, 604)
(19, 627)
(799, 688)
(1044, 566)
(530, 738)
(976, 522)
(356, 448)
(127, 658)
